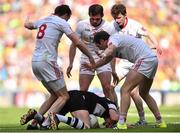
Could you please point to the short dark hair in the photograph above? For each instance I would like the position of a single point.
(62, 10)
(101, 35)
(117, 9)
(96, 9)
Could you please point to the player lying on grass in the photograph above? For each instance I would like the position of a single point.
(80, 105)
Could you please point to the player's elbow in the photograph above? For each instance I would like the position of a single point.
(28, 26)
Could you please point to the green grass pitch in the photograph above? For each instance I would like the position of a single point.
(9, 121)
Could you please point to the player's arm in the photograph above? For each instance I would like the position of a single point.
(107, 56)
(29, 25)
(151, 41)
(114, 74)
(72, 53)
(81, 46)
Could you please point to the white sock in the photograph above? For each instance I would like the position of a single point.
(46, 122)
(74, 122)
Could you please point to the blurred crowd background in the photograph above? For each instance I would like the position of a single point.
(17, 82)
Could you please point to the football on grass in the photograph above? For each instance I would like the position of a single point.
(94, 121)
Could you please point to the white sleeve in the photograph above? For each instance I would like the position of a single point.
(67, 29)
(114, 40)
(141, 31)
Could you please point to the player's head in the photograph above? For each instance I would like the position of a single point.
(118, 12)
(63, 11)
(113, 115)
(101, 39)
(96, 14)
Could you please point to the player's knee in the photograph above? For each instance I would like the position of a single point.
(124, 91)
(66, 96)
(143, 95)
(134, 94)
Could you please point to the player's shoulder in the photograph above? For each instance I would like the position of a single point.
(57, 20)
(116, 35)
(133, 22)
(83, 22)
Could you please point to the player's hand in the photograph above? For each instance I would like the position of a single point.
(93, 64)
(115, 78)
(88, 66)
(68, 71)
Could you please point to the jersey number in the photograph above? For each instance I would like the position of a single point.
(41, 32)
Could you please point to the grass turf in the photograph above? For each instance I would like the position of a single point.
(9, 121)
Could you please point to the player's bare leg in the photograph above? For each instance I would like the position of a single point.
(144, 93)
(139, 106)
(85, 81)
(83, 115)
(133, 78)
(63, 96)
(105, 79)
(115, 98)
(32, 113)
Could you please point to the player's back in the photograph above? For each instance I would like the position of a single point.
(130, 48)
(97, 105)
(50, 31)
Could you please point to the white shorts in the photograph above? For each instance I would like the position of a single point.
(49, 72)
(123, 67)
(146, 66)
(104, 68)
(54, 85)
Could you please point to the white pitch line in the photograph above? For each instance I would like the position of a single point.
(151, 115)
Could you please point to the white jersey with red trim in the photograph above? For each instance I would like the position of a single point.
(86, 32)
(131, 27)
(130, 48)
(50, 31)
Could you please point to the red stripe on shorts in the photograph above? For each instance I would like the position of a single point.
(56, 70)
(138, 64)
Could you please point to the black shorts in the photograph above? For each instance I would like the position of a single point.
(75, 102)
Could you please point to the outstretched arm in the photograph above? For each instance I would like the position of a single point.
(72, 53)
(106, 57)
(29, 25)
(152, 41)
(114, 74)
(78, 43)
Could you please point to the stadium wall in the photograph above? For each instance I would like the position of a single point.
(36, 98)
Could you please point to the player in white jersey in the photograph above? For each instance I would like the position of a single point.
(86, 30)
(44, 60)
(126, 26)
(141, 74)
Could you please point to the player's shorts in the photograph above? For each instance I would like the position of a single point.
(71, 105)
(49, 72)
(146, 66)
(104, 68)
(54, 85)
(123, 67)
